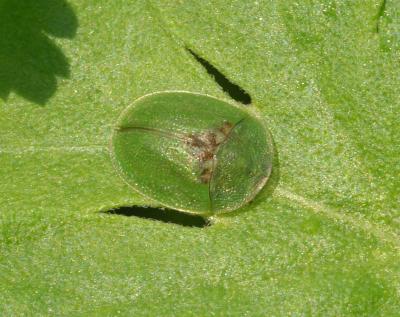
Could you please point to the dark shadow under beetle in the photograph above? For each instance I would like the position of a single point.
(233, 90)
(163, 215)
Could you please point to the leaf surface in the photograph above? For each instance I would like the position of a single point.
(322, 239)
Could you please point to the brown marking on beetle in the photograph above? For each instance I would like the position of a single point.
(211, 139)
(205, 176)
(205, 146)
(226, 128)
(195, 141)
(206, 156)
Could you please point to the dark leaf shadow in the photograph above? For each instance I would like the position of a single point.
(163, 215)
(30, 61)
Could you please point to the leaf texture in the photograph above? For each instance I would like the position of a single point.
(322, 239)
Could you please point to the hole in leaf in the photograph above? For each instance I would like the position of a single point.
(163, 215)
(234, 91)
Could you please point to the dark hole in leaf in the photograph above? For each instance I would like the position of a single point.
(234, 91)
(163, 215)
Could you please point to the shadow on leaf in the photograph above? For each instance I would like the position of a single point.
(29, 60)
(162, 215)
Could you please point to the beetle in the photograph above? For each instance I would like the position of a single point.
(192, 152)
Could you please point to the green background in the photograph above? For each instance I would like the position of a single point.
(321, 240)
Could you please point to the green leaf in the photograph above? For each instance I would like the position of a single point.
(322, 239)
